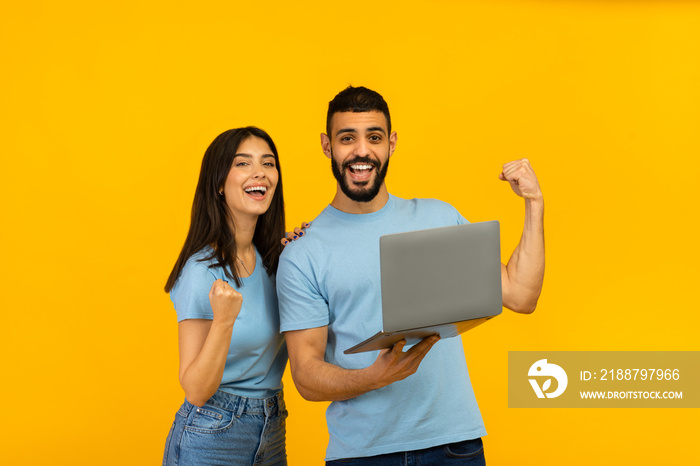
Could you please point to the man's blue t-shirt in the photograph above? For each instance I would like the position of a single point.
(331, 276)
(257, 356)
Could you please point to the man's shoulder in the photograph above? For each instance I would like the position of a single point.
(315, 237)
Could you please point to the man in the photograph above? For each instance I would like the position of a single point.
(414, 405)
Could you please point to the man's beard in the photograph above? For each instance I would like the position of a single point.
(369, 192)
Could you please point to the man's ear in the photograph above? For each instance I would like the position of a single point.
(392, 142)
(326, 144)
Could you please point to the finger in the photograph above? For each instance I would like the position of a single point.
(522, 166)
(305, 224)
(511, 178)
(424, 345)
(217, 287)
(284, 241)
(291, 235)
(515, 163)
(398, 347)
(515, 174)
(298, 231)
(420, 351)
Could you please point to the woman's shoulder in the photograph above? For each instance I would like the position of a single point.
(200, 267)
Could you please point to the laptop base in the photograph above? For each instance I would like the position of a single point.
(384, 340)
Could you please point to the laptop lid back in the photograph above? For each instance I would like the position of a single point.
(440, 275)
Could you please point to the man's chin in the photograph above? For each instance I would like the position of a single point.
(360, 195)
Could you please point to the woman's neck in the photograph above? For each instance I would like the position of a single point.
(244, 231)
(245, 249)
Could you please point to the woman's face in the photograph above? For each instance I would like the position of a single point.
(252, 180)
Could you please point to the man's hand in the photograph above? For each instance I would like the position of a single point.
(521, 177)
(394, 364)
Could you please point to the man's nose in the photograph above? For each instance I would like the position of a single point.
(361, 148)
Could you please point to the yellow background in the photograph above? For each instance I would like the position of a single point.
(106, 109)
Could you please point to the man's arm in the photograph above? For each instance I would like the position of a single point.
(317, 380)
(522, 277)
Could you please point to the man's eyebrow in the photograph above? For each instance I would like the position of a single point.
(376, 128)
(346, 130)
(369, 130)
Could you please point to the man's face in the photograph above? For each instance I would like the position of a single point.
(359, 148)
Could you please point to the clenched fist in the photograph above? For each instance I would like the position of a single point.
(225, 302)
(521, 177)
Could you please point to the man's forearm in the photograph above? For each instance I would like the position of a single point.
(318, 380)
(523, 276)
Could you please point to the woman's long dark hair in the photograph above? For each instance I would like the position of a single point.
(211, 217)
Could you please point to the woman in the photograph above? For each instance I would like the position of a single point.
(232, 355)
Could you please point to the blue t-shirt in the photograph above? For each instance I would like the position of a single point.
(257, 356)
(331, 276)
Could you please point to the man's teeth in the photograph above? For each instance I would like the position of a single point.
(361, 167)
(262, 189)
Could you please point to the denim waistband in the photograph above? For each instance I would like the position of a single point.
(240, 404)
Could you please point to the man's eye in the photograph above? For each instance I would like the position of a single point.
(375, 138)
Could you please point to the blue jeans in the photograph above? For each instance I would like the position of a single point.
(229, 430)
(467, 453)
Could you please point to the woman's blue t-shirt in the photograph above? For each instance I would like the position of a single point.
(258, 355)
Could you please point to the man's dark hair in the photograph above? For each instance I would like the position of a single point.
(357, 99)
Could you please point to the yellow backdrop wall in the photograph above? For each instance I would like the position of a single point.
(106, 110)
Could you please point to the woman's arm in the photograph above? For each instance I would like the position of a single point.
(204, 344)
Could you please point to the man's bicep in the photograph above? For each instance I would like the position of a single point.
(301, 303)
(306, 346)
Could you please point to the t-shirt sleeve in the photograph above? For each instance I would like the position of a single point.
(454, 213)
(460, 219)
(301, 304)
(190, 295)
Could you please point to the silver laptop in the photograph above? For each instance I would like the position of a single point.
(441, 281)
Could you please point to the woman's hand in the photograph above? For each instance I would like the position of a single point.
(296, 234)
(225, 301)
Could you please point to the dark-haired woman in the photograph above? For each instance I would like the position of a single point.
(232, 355)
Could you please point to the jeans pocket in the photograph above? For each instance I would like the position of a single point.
(209, 419)
(466, 449)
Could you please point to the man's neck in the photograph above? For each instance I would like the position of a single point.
(347, 205)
